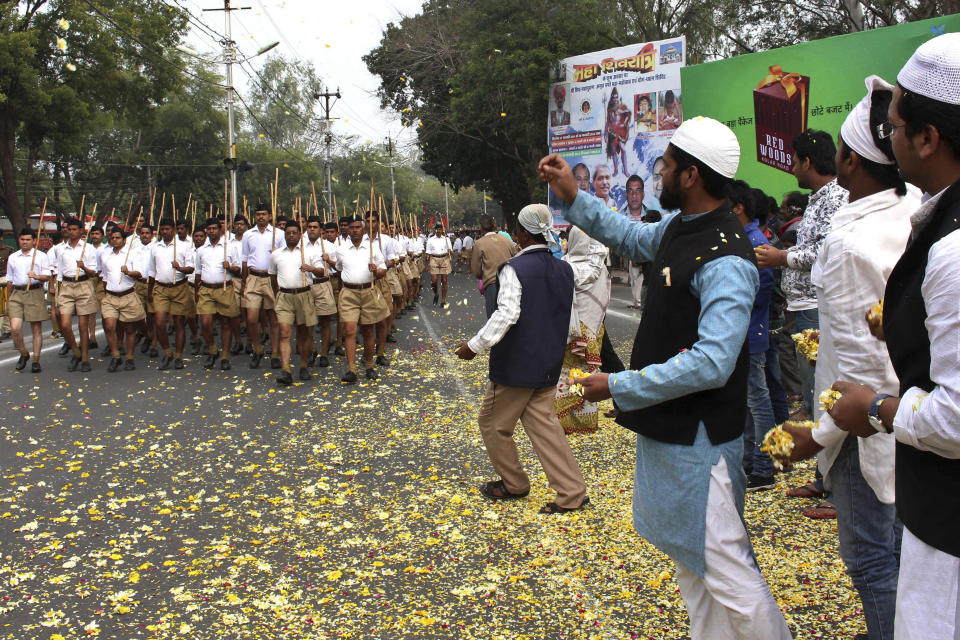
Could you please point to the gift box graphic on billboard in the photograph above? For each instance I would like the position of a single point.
(780, 104)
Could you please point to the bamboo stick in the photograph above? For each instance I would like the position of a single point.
(36, 246)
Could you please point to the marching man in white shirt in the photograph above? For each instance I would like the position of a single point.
(258, 243)
(77, 267)
(171, 261)
(218, 263)
(439, 261)
(123, 313)
(867, 238)
(324, 300)
(27, 270)
(921, 326)
(291, 277)
(360, 300)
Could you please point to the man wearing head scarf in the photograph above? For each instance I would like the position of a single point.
(527, 337)
(867, 237)
(922, 330)
(685, 392)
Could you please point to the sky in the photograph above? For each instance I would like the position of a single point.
(331, 34)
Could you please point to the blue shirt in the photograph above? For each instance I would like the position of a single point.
(759, 332)
(671, 482)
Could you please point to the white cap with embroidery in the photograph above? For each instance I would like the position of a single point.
(934, 69)
(711, 142)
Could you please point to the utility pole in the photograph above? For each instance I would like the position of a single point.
(229, 57)
(484, 198)
(446, 205)
(328, 137)
(393, 187)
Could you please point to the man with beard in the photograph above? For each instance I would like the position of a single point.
(685, 391)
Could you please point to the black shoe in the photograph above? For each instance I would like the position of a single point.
(145, 347)
(74, 363)
(22, 362)
(106, 352)
(371, 374)
(114, 364)
(436, 298)
(154, 352)
(165, 363)
(275, 363)
(35, 368)
(759, 483)
(236, 348)
(339, 351)
(323, 361)
(64, 350)
(284, 378)
(382, 361)
(313, 359)
(305, 373)
(225, 365)
(390, 338)
(255, 360)
(85, 367)
(129, 365)
(349, 377)
(211, 360)
(92, 345)
(178, 363)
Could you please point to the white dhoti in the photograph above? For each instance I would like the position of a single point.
(928, 592)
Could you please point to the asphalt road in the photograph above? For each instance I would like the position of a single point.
(196, 504)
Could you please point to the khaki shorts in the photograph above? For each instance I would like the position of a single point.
(190, 305)
(258, 293)
(99, 289)
(466, 254)
(218, 300)
(141, 288)
(238, 289)
(126, 308)
(29, 306)
(296, 308)
(402, 277)
(384, 287)
(365, 306)
(172, 300)
(77, 298)
(324, 302)
(394, 282)
(440, 266)
(419, 263)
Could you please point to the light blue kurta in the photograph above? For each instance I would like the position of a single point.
(672, 481)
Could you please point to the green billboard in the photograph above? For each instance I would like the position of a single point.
(768, 98)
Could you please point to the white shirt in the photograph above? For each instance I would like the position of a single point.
(69, 256)
(160, 263)
(415, 246)
(285, 264)
(18, 266)
(458, 245)
(468, 242)
(257, 246)
(353, 262)
(113, 278)
(850, 274)
(209, 261)
(508, 308)
(320, 247)
(438, 246)
(931, 422)
(53, 257)
(387, 247)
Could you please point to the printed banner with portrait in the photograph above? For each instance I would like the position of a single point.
(612, 114)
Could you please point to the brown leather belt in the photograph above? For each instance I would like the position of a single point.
(438, 255)
(321, 279)
(294, 291)
(350, 285)
(120, 294)
(82, 278)
(141, 280)
(168, 285)
(259, 274)
(23, 287)
(208, 285)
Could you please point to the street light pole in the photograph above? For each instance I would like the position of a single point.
(328, 138)
(229, 55)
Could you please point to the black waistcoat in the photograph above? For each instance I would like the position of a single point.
(670, 325)
(927, 484)
(531, 354)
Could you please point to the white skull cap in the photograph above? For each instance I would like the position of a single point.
(711, 142)
(934, 69)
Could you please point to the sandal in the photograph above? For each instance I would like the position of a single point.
(552, 507)
(823, 511)
(806, 491)
(497, 490)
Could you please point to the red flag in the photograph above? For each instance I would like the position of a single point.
(432, 221)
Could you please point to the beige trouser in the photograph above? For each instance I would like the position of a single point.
(502, 407)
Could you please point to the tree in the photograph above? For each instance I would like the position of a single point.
(64, 66)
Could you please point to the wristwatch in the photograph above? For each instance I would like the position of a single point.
(873, 415)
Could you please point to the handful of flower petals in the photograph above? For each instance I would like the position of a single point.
(779, 443)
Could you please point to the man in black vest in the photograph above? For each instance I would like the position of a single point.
(685, 393)
(527, 338)
(922, 330)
